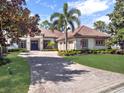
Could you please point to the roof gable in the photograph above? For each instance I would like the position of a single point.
(85, 31)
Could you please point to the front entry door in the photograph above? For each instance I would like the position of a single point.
(34, 45)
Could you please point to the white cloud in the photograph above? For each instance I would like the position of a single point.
(51, 6)
(89, 7)
(103, 18)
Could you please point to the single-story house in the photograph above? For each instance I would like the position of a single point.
(82, 38)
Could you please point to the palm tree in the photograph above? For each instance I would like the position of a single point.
(100, 26)
(47, 25)
(62, 21)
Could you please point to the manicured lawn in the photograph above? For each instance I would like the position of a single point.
(18, 82)
(108, 62)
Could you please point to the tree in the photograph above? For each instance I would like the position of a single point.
(100, 26)
(62, 21)
(11, 12)
(51, 44)
(45, 24)
(15, 20)
(117, 23)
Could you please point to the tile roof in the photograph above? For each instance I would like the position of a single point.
(49, 33)
(84, 31)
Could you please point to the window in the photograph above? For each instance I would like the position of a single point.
(84, 43)
(46, 42)
(23, 44)
(100, 42)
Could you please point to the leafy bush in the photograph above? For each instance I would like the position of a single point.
(69, 52)
(18, 50)
(54, 49)
(51, 44)
(93, 51)
(4, 61)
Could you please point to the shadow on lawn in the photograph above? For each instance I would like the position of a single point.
(51, 69)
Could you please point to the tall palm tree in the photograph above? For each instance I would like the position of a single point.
(100, 26)
(47, 25)
(62, 21)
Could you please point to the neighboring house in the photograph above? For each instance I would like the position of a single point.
(82, 38)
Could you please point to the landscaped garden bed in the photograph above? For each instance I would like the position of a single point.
(89, 51)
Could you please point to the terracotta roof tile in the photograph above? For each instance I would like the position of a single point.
(84, 31)
(49, 33)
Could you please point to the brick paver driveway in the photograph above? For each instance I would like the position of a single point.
(52, 74)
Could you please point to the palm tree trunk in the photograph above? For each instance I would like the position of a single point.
(66, 39)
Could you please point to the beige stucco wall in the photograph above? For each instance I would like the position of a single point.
(77, 45)
(28, 41)
(91, 44)
(71, 46)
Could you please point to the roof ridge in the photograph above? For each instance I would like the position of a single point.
(78, 29)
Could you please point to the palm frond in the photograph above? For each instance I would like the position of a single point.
(72, 25)
(65, 9)
(75, 19)
(55, 15)
(74, 11)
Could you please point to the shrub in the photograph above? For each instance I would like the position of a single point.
(93, 51)
(4, 61)
(54, 49)
(18, 50)
(69, 52)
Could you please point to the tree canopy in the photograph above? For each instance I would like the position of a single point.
(15, 19)
(100, 26)
(117, 22)
(47, 25)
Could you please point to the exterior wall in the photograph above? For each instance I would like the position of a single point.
(40, 41)
(91, 44)
(51, 39)
(71, 45)
(76, 45)
(61, 45)
(28, 42)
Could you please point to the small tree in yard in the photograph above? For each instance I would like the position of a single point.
(51, 44)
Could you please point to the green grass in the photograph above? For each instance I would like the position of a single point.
(114, 63)
(19, 81)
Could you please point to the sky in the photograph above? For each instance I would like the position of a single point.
(91, 10)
